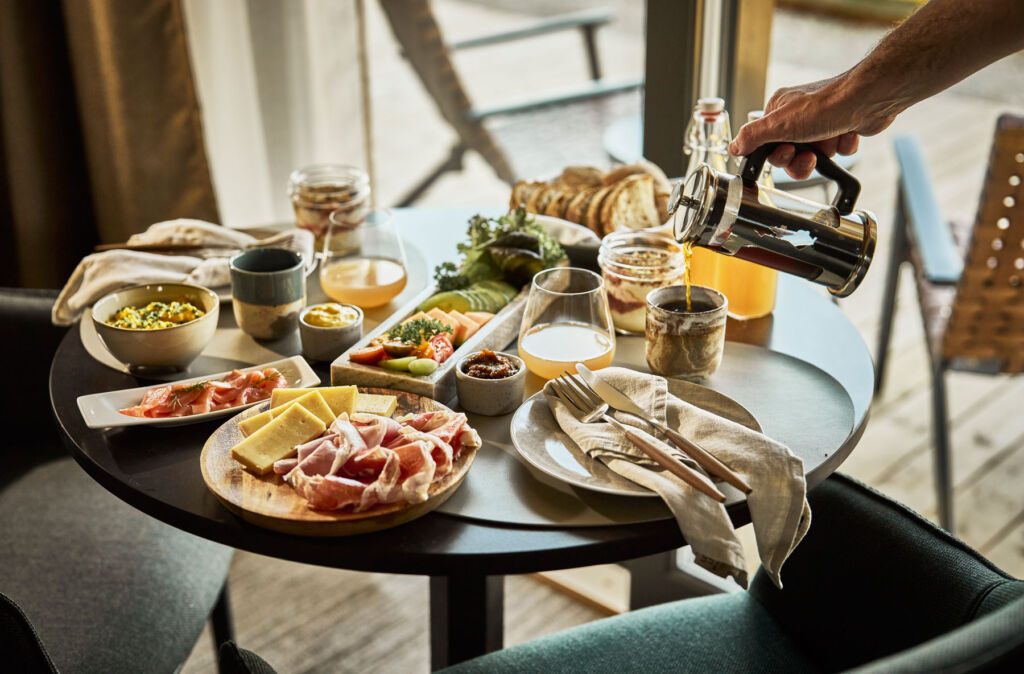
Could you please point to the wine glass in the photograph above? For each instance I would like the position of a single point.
(363, 262)
(566, 322)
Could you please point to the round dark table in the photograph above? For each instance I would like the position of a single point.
(157, 471)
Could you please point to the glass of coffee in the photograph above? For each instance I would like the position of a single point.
(685, 341)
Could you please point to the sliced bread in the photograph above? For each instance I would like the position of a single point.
(556, 207)
(576, 209)
(522, 191)
(630, 205)
(592, 220)
(581, 176)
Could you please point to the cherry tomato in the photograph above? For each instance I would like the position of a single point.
(371, 355)
(443, 348)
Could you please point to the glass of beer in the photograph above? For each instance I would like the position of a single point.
(363, 263)
(566, 322)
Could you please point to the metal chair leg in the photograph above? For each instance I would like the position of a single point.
(220, 619)
(897, 256)
(943, 462)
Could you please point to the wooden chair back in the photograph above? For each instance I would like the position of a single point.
(987, 319)
(416, 29)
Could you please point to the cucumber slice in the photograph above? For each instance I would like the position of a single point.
(474, 299)
(446, 301)
(506, 289)
(421, 367)
(397, 364)
(495, 299)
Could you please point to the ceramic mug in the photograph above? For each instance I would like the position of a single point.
(268, 290)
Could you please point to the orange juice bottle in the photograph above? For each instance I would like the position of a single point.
(750, 287)
(707, 142)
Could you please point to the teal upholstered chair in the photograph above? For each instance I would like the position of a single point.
(87, 583)
(872, 586)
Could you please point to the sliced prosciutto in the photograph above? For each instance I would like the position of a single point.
(179, 400)
(366, 460)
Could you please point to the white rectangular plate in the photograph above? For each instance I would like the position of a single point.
(100, 410)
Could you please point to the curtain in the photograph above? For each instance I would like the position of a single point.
(100, 132)
(278, 81)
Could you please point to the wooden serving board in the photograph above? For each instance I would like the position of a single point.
(497, 334)
(269, 502)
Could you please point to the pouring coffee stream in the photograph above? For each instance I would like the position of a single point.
(831, 245)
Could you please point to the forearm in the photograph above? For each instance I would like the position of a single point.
(941, 44)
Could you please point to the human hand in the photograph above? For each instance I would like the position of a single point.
(815, 113)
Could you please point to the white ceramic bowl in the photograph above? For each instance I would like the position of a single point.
(490, 397)
(326, 344)
(160, 349)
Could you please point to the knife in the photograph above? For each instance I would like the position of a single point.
(620, 401)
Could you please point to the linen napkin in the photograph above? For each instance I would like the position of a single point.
(778, 505)
(101, 273)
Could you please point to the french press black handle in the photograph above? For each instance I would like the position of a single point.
(849, 187)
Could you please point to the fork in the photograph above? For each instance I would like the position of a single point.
(705, 459)
(587, 411)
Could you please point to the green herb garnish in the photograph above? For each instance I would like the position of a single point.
(418, 331)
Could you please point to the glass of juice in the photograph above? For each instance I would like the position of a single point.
(363, 263)
(566, 322)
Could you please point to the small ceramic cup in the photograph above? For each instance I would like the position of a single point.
(268, 290)
(685, 343)
(490, 397)
(327, 343)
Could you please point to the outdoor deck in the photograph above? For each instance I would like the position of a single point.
(350, 621)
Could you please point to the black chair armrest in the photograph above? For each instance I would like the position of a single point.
(873, 578)
(993, 643)
(938, 252)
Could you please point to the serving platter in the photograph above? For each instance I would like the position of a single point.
(496, 334)
(267, 501)
(100, 410)
(540, 441)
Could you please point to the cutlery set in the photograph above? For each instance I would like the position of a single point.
(590, 400)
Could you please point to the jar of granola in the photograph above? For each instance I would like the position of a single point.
(633, 263)
(317, 191)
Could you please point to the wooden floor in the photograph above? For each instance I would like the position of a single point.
(307, 619)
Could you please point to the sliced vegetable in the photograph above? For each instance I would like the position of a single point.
(421, 367)
(398, 364)
(398, 349)
(424, 350)
(442, 347)
(371, 355)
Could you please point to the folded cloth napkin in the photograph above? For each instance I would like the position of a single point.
(778, 504)
(101, 273)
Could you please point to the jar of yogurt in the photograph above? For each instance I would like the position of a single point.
(633, 263)
(317, 191)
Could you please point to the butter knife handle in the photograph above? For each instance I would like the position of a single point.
(680, 470)
(706, 460)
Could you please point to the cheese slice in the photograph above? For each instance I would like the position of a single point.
(278, 439)
(338, 398)
(370, 403)
(312, 401)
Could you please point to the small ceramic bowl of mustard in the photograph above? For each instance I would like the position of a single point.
(328, 329)
(491, 383)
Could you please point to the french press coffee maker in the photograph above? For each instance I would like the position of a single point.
(733, 214)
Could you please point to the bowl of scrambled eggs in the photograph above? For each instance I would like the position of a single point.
(158, 327)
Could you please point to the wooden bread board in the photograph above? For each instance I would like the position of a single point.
(495, 335)
(267, 501)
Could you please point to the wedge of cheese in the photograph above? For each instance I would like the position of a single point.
(312, 401)
(278, 439)
(371, 403)
(338, 398)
